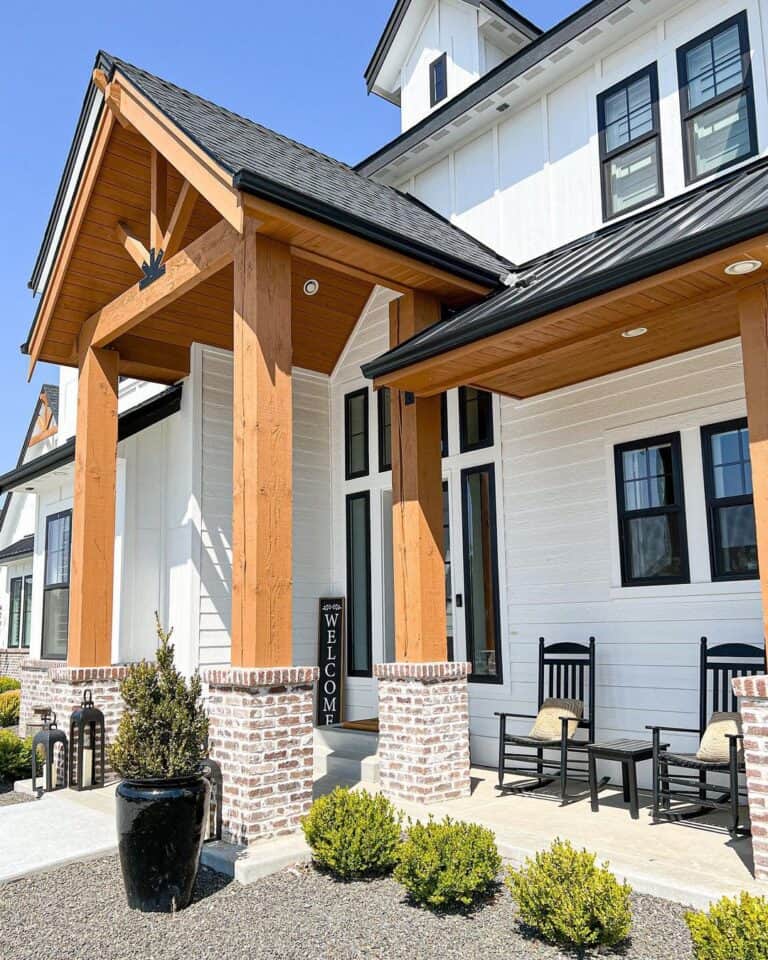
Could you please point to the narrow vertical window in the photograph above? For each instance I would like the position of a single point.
(448, 576)
(438, 80)
(356, 434)
(385, 429)
(652, 531)
(481, 582)
(58, 530)
(716, 99)
(359, 653)
(475, 419)
(15, 612)
(730, 506)
(630, 143)
(26, 628)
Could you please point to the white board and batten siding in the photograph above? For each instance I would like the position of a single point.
(311, 506)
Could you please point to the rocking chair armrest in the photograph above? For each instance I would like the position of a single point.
(517, 716)
(659, 727)
(734, 736)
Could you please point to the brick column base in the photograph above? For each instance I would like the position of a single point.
(49, 683)
(261, 733)
(754, 714)
(424, 730)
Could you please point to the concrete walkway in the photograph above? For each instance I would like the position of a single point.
(59, 828)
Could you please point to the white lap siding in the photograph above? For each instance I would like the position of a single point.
(311, 507)
(562, 566)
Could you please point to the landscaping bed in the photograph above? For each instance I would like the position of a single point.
(7, 795)
(300, 913)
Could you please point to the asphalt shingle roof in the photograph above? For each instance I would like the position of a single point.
(22, 548)
(262, 161)
(51, 391)
(726, 211)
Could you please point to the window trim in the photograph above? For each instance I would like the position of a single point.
(464, 445)
(673, 439)
(364, 495)
(498, 678)
(384, 467)
(27, 620)
(11, 582)
(652, 72)
(713, 502)
(365, 471)
(439, 63)
(746, 89)
(55, 586)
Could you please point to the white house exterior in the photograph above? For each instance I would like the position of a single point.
(512, 152)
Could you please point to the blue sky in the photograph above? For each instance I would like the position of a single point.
(295, 67)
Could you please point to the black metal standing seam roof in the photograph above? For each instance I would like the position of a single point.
(498, 7)
(726, 211)
(277, 168)
(22, 548)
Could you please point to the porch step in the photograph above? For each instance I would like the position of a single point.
(349, 756)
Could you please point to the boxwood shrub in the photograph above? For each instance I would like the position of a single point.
(10, 702)
(568, 899)
(353, 833)
(15, 757)
(8, 683)
(731, 929)
(448, 864)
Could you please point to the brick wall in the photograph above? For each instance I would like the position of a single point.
(424, 730)
(754, 714)
(11, 662)
(261, 733)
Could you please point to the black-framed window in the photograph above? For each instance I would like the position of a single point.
(730, 505)
(481, 573)
(475, 419)
(359, 633)
(438, 79)
(717, 101)
(444, 424)
(651, 510)
(630, 143)
(356, 434)
(58, 535)
(19, 612)
(385, 429)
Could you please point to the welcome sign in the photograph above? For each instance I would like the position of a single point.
(331, 661)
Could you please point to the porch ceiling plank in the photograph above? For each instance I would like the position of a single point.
(753, 318)
(179, 220)
(201, 259)
(310, 257)
(133, 246)
(158, 199)
(79, 207)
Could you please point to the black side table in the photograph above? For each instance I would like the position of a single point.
(626, 752)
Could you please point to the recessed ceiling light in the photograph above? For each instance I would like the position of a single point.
(311, 287)
(742, 267)
(636, 332)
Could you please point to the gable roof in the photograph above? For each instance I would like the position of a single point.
(724, 212)
(497, 7)
(274, 167)
(22, 548)
(542, 47)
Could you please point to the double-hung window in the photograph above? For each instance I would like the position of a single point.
(651, 512)
(58, 532)
(716, 99)
(630, 143)
(475, 419)
(20, 612)
(730, 507)
(356, 434)
(438, 80)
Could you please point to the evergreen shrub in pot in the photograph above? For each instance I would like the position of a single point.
(163, 797)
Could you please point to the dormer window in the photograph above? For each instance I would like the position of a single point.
(438, 80)
(716, 99)
(630, 143)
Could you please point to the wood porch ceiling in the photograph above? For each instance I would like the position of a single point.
(682, 309)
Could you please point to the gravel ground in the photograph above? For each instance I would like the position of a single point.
(79, 912)
(7, 795)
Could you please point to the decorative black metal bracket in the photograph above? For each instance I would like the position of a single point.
(152, 270)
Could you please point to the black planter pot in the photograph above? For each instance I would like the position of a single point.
(160, 828)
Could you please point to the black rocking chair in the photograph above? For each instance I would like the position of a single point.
(718, 665)
(565, 670)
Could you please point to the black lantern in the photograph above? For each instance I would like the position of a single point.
(46, 740)
(86, 739)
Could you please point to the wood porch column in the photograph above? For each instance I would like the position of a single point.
(93, 511)
(263, 436)
(753, 314)
(417, 503)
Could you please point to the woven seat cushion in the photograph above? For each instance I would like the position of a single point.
(715, 745)
(691, 761)
(548, 725)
